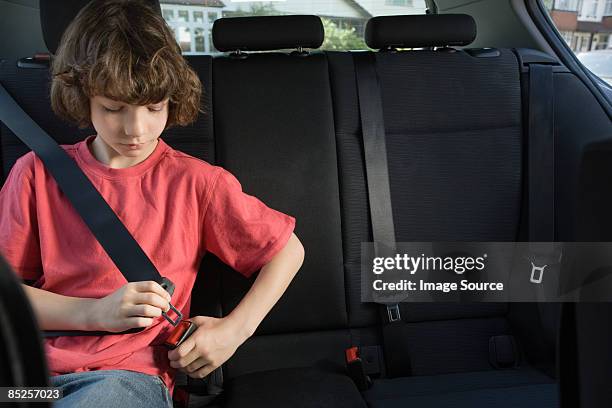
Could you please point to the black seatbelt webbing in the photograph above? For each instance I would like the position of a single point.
(541, 173)
(541, 154)
(113, 236)
(397, 358)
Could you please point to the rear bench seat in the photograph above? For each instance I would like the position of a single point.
(454, 134)
(454, 144)
(288, 127)
(273, 116)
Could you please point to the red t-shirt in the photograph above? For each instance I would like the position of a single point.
(176, 206)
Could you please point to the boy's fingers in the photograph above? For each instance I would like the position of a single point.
(182, 350)
(139, 321)
(152, 286)
(153, 299)
(144, 311)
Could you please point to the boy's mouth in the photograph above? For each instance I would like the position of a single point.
(134, 146)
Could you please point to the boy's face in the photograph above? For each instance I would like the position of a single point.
(129, 131)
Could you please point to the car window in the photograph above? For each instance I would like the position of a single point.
(586, 27)
(600, 63)
(343, 20)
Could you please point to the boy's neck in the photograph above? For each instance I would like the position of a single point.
(110, 157)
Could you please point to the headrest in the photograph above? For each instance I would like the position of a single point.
(265, 33)
(54, 18)
(416, 31)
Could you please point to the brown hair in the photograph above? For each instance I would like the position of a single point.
(123, 50)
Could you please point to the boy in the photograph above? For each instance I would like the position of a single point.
(119, 69)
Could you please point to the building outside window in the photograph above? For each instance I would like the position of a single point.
(566, 5)
(585, 25)
(192, 25)
(401, 3)
(581, 42)
(601, 41)
(168, 14)
(567, 36)
(592, 9)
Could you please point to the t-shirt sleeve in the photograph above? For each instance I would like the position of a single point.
(240, 229)
(19, 244)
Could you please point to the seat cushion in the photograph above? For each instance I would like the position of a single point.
(499, 389)
(292, 387)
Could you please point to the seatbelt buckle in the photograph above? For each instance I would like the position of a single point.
(393, 312)
(181, 332)
(169, 287)
(356, 369)
(182, 328)
(542, 255)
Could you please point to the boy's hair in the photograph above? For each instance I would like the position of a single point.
(122, 50)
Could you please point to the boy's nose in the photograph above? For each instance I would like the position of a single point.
(135, 125)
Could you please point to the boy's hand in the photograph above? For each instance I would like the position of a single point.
(212, 344)
(133, 305)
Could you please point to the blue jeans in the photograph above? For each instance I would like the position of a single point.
(111, 388)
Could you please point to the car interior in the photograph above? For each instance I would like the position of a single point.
(460, 93)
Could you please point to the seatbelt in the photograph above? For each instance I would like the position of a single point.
(113, 236)
(541, 154)
(541, 189)
(379, 198)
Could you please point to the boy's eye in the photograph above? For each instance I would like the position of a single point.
(156, 108)
(112, 110)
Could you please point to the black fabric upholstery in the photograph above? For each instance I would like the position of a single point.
(433, 351)
(292, 349)
(450, 94)
(55, 19)
(454, 140)
(267, 33)
(416, 31)
(505, 388)
(420, 312)
(449, 124)
(250, 97)
(536, 395)
(293, 387)
(197, 139)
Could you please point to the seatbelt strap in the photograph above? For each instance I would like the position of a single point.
(379, 197)
(113, 236)
(541, 154)
(541, 186)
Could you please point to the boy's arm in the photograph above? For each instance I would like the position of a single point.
(217, 339)
(135, 304)
(271, 283)
(58, 312)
